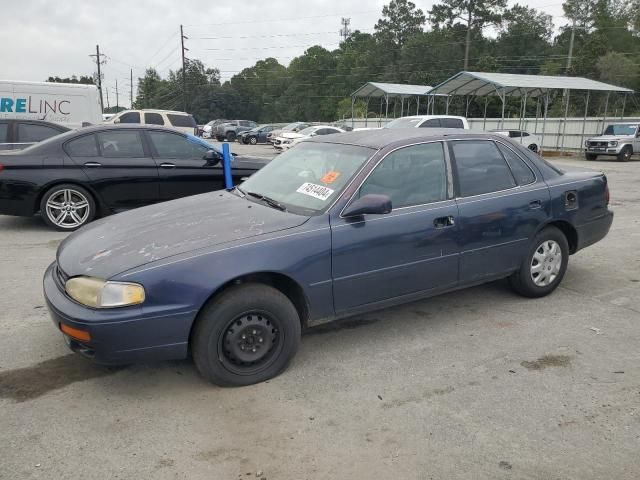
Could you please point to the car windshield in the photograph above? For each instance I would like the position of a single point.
(306, 179)
(407, 122)
(620, 130)
(308, 131)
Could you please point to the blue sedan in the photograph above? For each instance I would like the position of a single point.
(337, 226)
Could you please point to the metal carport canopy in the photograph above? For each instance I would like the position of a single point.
(511, 84)
(377, 90)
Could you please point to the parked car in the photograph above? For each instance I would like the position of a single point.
(340, 225)
(256, 135)
(230, 130)
(19, 134)
(287, 140)
(292, 127)
(181, 121)
(68, 104)
(74, 177)
(620, 140)
(207, 130)
(429, 121)
(532, 142)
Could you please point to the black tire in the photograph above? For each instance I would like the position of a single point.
(253, 140)
(75, 215)
(231, 136)
(533, 147)
(590, 156)
(219, 138)
(523, 282)
(221, 352)
(625, 154)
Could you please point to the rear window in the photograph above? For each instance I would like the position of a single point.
(181, 120)
(153, 119)
(451, 123)
(522, 172)
(130, 117)
(432, 123)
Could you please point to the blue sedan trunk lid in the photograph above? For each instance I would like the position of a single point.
(118, 243)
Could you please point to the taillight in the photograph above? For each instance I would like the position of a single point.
(606, 195)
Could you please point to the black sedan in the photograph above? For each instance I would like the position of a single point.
(256, 135)
(74, 177)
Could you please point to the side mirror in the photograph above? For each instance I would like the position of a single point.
(212, 157)
(369, 204)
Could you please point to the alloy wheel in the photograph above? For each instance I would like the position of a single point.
(68, 208)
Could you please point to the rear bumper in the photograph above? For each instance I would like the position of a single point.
(594, 231)
(118, 336)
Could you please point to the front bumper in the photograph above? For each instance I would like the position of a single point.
(604, 150)
(594, 230)
(119, 335)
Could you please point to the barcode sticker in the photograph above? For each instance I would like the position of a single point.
(316, 191)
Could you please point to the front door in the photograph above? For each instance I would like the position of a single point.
(501, 207)
(412, 249)
(183, 169)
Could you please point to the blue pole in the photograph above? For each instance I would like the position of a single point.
(226, 165)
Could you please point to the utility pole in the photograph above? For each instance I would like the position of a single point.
(131, 91)
(108, 106)
(98, 62)
(184, 69)
(117, 97)
(345, 31)
(573, 36)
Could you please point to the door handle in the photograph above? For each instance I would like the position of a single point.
(535, 204)
(93, 164)
(442, 222)
(167, 165)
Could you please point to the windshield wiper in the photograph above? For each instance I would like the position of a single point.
(242, 192)
(269, 201)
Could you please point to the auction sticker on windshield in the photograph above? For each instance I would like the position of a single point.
(316, 191)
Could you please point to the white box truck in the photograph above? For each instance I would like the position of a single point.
(68, 104)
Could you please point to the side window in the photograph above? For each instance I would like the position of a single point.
(120, 144)
(172, 145)
(431, 123)
(524, 175)
(410, 176)
(451, 123)
(30, 132)
(524, 134)
(514, 134)
(151, 118)
(322, 131)
(130, 117)
(480, 168)
(82, 147)
(4, 128)
(181, 120)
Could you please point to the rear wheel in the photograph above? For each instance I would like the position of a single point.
(245, 336)
(67, 207)
(544, 266)
(231, 136)
(591, 156)
(625, 154)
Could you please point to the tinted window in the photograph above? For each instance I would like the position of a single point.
(82, 147)
(410, 176)
(521, 170)
(524, 134)
(514, 134)
(181, 120)
(4, 128)
(130, 117)
(171, 145)
(120, 144)
(153, 119)
(451, 123)
(30, 132)
(481, 168)
(431, 123)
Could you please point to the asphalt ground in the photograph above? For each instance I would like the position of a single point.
(476, 384)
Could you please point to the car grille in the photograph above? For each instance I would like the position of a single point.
(598, 144)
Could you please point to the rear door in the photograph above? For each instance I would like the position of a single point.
(118, 168)
(501, 205)
(182, 168)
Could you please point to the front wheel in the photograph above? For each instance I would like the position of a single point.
(67, 207)
(247, 335)
(544, 266)
(625, 154)
(253, 140)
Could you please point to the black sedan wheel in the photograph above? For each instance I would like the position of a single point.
(245, 336)
(253, 140)
(67, 207)
(544, 266)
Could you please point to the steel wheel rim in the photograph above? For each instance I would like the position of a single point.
(250, 343)
(546, 263)
(67, 208)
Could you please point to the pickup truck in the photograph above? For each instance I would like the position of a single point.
(230, 130)
(619, 140)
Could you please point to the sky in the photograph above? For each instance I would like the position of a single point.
(42, 38)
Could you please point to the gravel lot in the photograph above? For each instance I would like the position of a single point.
(475, 384)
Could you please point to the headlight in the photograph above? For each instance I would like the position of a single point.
(97, 293)
(286, 141)
(613, 144)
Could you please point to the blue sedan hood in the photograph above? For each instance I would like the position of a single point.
(118, 243)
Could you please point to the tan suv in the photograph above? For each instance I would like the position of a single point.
(181, 121)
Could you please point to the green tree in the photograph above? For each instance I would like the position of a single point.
(400, 19)
(85, 80)
(618, 69)
(472, 14)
